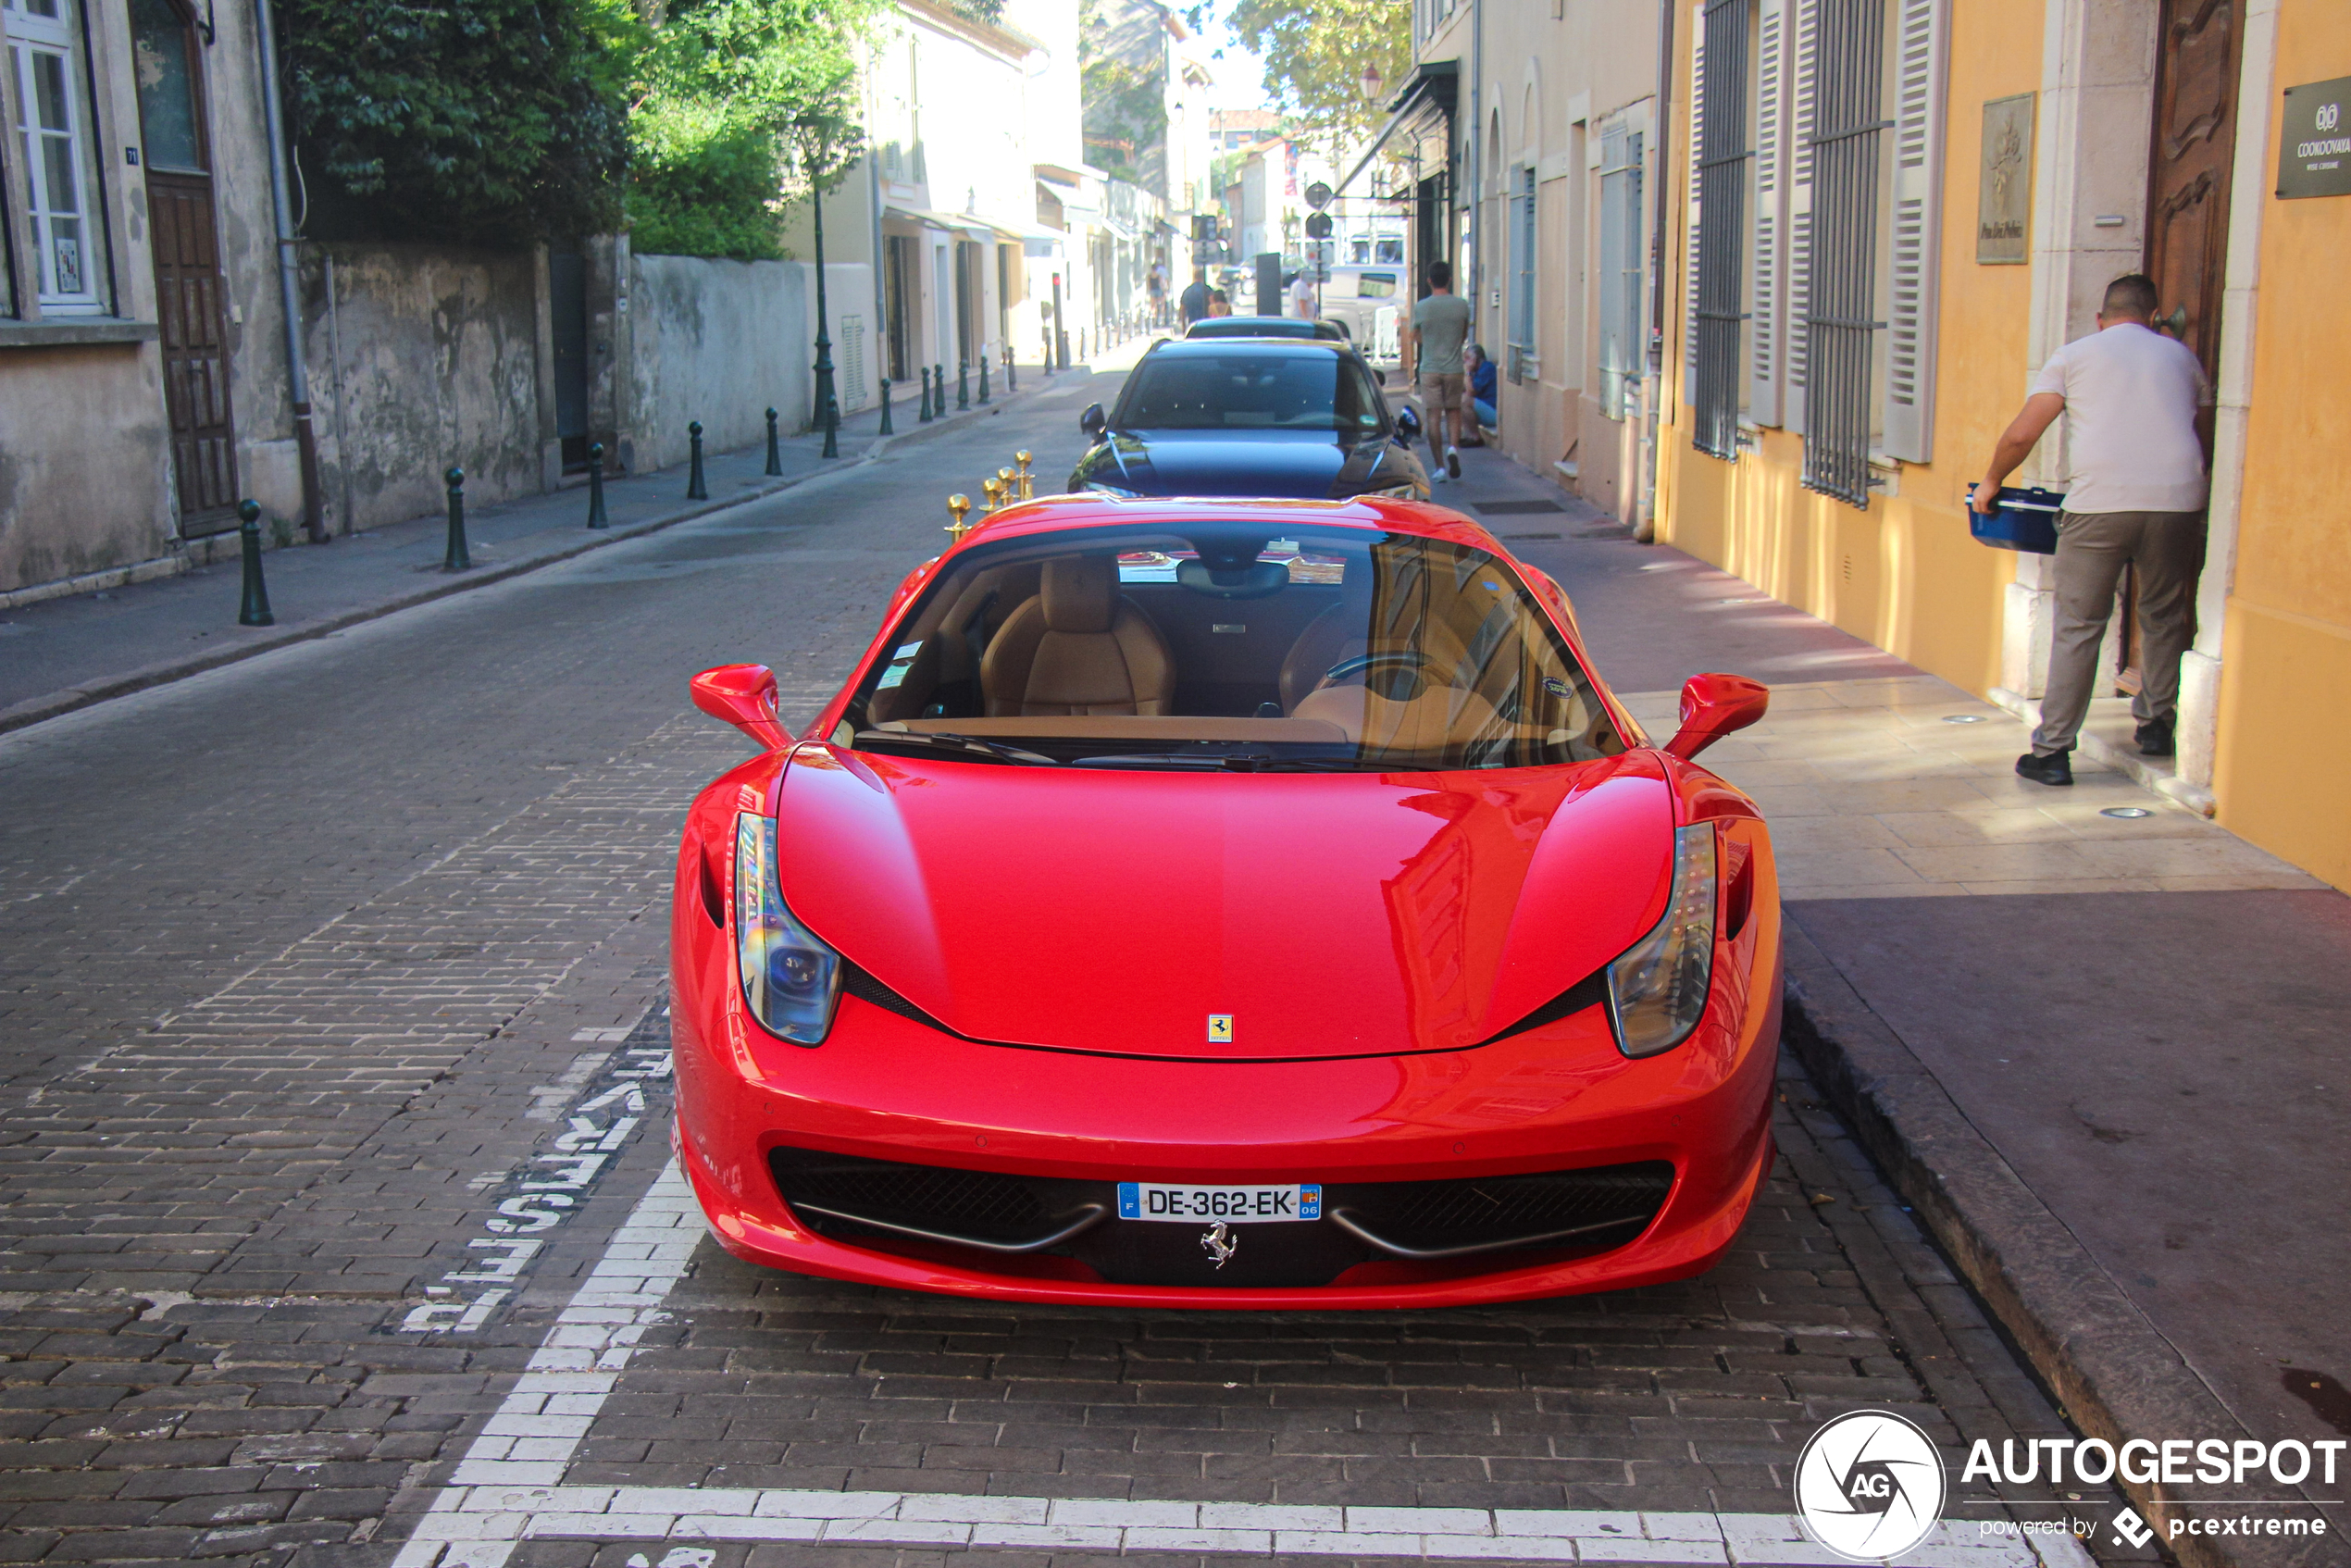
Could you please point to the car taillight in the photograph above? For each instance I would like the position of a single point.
(1657, 990)
(792, 979)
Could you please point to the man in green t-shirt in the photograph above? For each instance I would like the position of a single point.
(1440, 325)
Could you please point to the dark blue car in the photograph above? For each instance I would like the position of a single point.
(1290, 417)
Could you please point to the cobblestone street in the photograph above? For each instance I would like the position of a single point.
(340, 1230)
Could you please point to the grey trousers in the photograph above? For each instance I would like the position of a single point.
(2167, 548)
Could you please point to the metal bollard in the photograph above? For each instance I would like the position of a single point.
(1028, 480)
(963, 384)
(939, 390)
(255, 610)
(1049, 351)
(458, 558)
(926, 415)
(983, 379)
(885, 429)
(596, 518)
(1012, 382)
(695, 488)
(775, 454)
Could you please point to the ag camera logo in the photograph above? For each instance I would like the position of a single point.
(1869, 1486)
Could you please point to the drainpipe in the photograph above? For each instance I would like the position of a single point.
(1477, 278)
(1645, 526)
(314, 522)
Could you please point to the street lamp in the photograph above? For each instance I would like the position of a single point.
(1373, 82)
(816, 152)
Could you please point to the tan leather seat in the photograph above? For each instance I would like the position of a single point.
(1078, 647)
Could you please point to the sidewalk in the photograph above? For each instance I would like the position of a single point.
(60, 654)
(2100, 1053)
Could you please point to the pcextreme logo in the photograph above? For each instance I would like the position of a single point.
(1869, 1486)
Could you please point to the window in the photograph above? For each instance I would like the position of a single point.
(1719, 145)
(1840, 312)
(1522, 355)
(55, 142)
(1375, 286)
(1620, 271)
(1252, 389)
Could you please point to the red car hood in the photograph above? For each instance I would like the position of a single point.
(1326, 915)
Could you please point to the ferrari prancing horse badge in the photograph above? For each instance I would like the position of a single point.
(1219, 1242)
(1220, 1029)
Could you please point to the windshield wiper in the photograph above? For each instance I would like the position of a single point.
(1242, 762)
(878, 740)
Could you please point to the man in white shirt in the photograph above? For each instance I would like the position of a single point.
(2136, 451)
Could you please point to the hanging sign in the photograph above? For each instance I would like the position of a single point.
(2314, 140)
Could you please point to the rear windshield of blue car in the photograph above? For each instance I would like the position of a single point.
(1262, 387)
(1230, 646)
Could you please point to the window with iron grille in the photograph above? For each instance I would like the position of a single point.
(1840, 309)
(1524, 356)
(1621, 322)
(1721, 145)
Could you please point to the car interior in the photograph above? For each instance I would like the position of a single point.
(1373, 647)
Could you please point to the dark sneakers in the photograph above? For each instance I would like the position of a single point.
(2155, 737)
(2057, 768)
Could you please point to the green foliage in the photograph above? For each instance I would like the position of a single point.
(1315, 57)
(732, 98)
(493, 121)
(1120, 83)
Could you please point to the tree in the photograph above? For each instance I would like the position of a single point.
(1121, 84)
(496, 122)
(723, 87)
(1315, 57)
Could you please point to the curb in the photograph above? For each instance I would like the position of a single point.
(2111, 1373)
(56, 705)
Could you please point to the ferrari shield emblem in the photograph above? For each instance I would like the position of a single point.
(1219, 1242)
(1220, 1029)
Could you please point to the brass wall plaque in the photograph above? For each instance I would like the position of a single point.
(2004, 200)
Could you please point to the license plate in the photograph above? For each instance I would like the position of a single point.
(1180, 1204)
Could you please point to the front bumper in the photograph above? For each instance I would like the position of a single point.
(1559, 1098)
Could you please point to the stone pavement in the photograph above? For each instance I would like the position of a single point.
(2096, 1037)
(332, 1114)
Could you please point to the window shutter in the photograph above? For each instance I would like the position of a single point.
(1695, 141)
(1796, 290)
(1767, 312)
(1908, 419)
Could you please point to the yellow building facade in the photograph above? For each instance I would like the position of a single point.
(2030, 152)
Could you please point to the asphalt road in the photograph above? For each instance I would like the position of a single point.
(313, 963)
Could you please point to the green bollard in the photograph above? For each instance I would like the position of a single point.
(963, 384)
(695, 488)
(885, 429)
(596, 518)
(983, 379)
(255, 610)
(775, 454)
(939, 390)
(926, 415)
(458, 558)
(1012, 382)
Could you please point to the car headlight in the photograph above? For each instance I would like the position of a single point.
(1657, 990)
(792, 979)
(1114, 490)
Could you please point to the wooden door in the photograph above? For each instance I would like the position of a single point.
(2187, 225)
(190, 294)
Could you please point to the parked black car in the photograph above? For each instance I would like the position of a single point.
(1262, 416)
(1265, 326)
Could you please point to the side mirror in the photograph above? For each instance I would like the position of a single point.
(744, 695)
(1714, 705)
(1093, 421)
(1407, 424)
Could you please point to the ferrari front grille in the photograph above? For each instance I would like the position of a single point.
(1453, 1219)
(996, 1212)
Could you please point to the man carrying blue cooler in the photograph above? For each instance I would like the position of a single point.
(2136, 453)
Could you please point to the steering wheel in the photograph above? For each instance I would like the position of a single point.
(1402, 660)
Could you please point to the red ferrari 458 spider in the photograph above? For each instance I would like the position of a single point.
(1227, 904)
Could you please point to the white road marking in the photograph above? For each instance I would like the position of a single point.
(508, 1488)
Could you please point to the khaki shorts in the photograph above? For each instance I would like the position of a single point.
(1445, 393)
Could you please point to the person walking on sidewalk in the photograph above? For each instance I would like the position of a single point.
(1439, 329)
(1195, 301)
(2136, 453)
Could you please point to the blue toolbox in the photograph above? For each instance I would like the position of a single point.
(2026, 519)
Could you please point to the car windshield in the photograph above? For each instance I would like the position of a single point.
(1230, 647)
(1262, 387)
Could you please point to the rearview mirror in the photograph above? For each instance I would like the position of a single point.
(744, 695)
(1407, 424)
(1093, 421)
(1714, 705)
